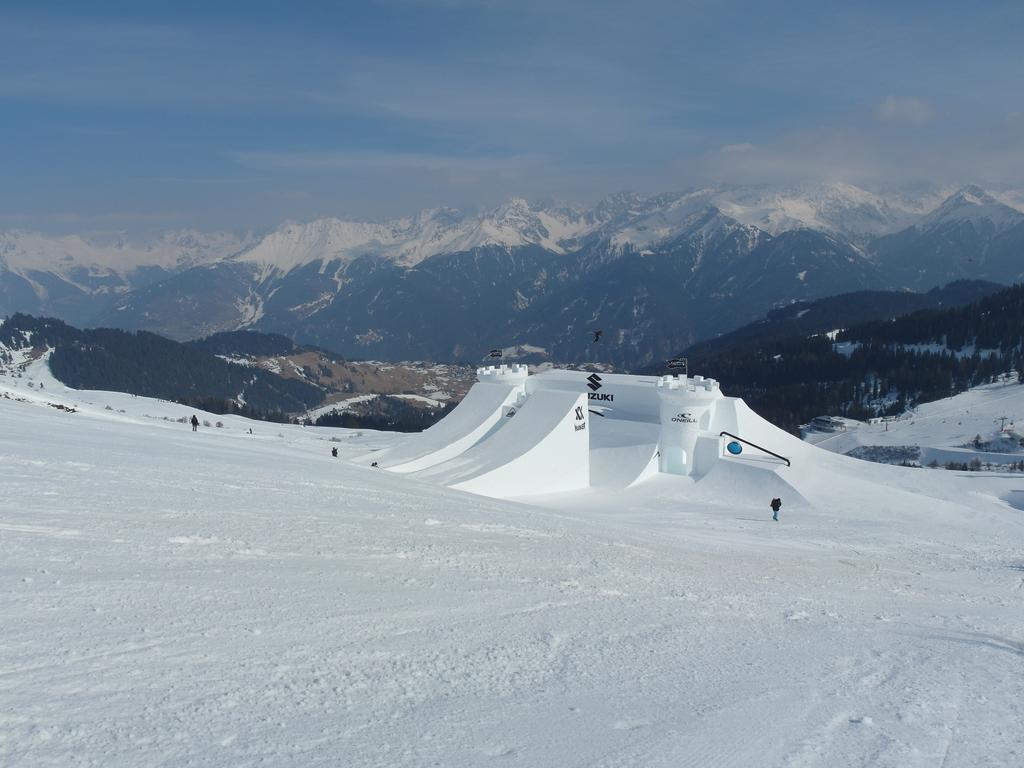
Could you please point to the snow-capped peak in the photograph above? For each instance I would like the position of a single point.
(837, 208)
(972, 204)
(410, 240)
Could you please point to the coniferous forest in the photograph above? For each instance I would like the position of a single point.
(149, 365)
(874, 368)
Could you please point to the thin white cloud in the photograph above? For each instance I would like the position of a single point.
(866, 151)
(735, 148)
(894, 109)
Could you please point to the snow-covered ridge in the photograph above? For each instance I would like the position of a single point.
(626, 219)
(24, 251)
(621, 220)
(837, 208)
(408, 241)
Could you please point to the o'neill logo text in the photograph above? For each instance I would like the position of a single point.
(580, 417)
(685, 418)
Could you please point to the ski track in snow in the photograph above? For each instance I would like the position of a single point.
(221, 598)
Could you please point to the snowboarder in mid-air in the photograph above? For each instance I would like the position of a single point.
(597, 336)
(195, 423)
(776, 505)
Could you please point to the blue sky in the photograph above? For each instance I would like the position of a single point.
(144, 116)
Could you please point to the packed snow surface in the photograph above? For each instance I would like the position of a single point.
(225, 598)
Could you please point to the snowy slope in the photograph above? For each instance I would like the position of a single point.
(226, 598)
(945, 429)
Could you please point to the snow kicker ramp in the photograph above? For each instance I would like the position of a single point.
(543, 448)
(480, 412)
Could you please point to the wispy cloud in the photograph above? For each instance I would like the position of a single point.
(893, 109)
(732, 149)
(400, 103)
(863, 151)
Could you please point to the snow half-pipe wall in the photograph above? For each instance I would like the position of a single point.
(544, 448)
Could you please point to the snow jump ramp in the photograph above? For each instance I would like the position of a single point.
(491, 401)
(543, 448)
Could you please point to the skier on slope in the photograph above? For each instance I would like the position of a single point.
(776, 505)
(195, 423)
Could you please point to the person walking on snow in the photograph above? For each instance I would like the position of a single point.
(776, 505)
(195, 423)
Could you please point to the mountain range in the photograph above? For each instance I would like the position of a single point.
(654, 273)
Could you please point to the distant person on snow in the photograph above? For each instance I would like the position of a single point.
(334, 452)
(195, 423)
(776, 505)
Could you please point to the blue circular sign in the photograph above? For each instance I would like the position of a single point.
(734, 448)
